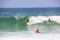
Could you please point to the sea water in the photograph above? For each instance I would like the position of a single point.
(14, 25)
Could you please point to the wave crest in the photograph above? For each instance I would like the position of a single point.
(41, 19)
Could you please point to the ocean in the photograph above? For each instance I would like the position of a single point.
(23, 22)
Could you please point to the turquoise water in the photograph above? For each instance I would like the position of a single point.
(11, 24)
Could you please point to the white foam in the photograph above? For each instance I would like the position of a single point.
(40, 19)
(17, 18)
(19, 36)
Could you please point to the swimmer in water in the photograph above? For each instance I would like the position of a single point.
(37, 31)
(49, 20)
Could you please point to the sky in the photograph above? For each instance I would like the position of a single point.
(29, 3)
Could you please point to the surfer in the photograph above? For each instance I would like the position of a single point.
(37, 31)
(27, 20)
(49, 20)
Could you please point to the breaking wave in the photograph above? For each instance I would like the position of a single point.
(42, 23)
(18, 23)
(41, 19)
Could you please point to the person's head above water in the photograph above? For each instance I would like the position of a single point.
(37, 30)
